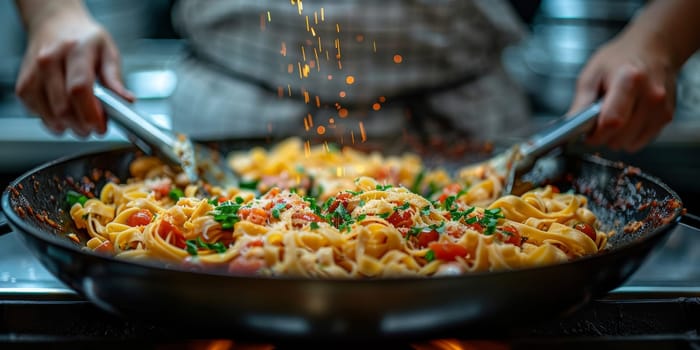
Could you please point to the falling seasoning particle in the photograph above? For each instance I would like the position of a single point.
(311, 120)
(343, 113)
(280, 91)
(382, 99)
(376, 106)
(342, 94)
(398, 59)
(349, 80)
(290, 68)
(337, 27)
(306, 97)
(262, 22)
(360, 38)
(303, 53)
(318, 102)
(321, 129)
(307, 149)
(323, 17)
(374, 46)
(330, 77)
(331, 121)
(269, 19)
(289, 90)
(362, 132)
(352, 136)
(315, 17)
(283, 50)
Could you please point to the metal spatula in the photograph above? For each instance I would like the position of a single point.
(520, 158)
(197, 161)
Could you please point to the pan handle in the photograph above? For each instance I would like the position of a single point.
(691, 221)
(4, 225)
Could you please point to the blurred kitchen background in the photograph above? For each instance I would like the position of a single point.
(564, 33)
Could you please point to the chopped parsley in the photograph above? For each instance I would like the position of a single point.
(191, 247)
(277, 208)
(314, 225)
(384, 215)
(404, 206)
(73, 197)
(239, 200)
(383, 187)
(354, 193)
(425, 211)
(249, 185)
(226, 213)
(415, 187)
(430, 255)
(176, 193)
(490, 220)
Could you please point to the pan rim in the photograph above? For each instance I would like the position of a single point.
(41, 235)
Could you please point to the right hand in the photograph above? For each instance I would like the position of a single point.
(66, 51)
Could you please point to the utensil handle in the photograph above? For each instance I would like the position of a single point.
(4, 225)
(561, 131)
(140, 131)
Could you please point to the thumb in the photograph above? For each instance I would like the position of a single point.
(110, 71)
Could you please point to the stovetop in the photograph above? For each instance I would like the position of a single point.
(658, 308)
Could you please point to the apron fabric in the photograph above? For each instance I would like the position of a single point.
(256, 71)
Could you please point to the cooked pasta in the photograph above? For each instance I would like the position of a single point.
(335, 213)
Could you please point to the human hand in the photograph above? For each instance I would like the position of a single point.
(65, 53)
(637, 83)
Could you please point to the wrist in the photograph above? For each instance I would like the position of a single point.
(36, 13)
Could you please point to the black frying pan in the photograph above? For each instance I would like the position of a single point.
(294, 307)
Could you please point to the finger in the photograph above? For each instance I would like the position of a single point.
(29, 90)
(110, 71)
(587, 91)
(80, 76)
(660, 113)
(55, 91)
(618, 105)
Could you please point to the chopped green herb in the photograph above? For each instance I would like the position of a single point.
(73, 197)
(490, 220)
(277, 208)
(213, 201)
(362, 203)
(430, 255)
(404, 206)
(191, 247)
(249, 185)
(354, 193)
(239, 200)
(314, 225)
(361, 217)
(383, 187)
(227, 214)
(218, 246)
(176, 193)
(425, 211)
(415, 187)
(384, 215)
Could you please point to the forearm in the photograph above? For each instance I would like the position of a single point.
(33, 12)
(670, 25)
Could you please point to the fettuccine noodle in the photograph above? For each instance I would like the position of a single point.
(336, 213)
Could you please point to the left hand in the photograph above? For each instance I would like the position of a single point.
(637, 84)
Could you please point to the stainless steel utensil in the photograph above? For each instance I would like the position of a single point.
(521, 157)
(197, 161)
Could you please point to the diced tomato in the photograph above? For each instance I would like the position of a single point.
(176, 237)
(401, 218)
(447, 251)
(424, 238)
(105, 247)
(300, 219)
(449, 190)
(245, 266)
(255, 243)
(141, 217)
(513, 237)
(162, 189)
(221, 199)
(255, 215)
(555, 189)
(587, 229)
(341, 199)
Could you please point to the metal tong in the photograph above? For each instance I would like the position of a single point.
(197, 162)
(520, 158)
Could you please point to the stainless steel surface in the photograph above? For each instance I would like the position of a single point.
(176, 150)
